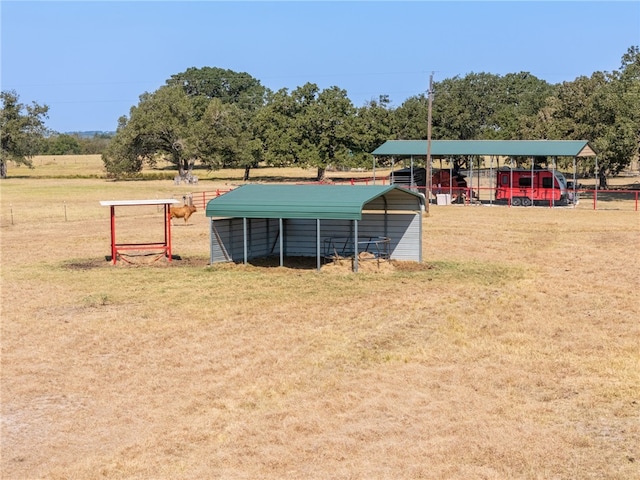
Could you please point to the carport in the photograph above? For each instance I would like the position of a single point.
(494, 149)
(321, 221)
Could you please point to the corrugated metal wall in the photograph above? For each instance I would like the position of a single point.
(228, 234)
(401, 225)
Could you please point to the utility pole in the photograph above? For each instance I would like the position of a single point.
(428, 165)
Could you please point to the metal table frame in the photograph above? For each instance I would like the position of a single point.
(164, 246)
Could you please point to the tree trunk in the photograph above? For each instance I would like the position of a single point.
(247, 169)
(322, 174)
(3, 169)
(603, 180)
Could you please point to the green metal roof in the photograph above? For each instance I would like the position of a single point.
(299, 201)
(507, 148)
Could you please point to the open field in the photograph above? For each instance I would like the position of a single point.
(624, 193)
(91, 166)
(512, 352)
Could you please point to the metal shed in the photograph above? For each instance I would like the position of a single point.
(319, 221)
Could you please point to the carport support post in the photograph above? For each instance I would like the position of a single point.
(281, 242)
(595, 187)
(374, 170)
(511, 182)
(533, 161)
(552, 203)
(491, 179)
(210, 240)
(318, 243)
(355, 245)
(574, 181)
(244, 239)
(470, 182)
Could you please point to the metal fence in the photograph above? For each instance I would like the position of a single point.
(596, 199)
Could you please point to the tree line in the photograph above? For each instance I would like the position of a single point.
(216, 118)
(23, 134)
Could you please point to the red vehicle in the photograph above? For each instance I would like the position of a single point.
(442, 181)
(530, 187)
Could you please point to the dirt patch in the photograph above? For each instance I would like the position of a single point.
(408, 266)
(135, 261)
(87, 264)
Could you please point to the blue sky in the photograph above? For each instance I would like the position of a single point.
(89, 61)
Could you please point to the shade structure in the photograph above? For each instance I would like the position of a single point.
(164, 245)
(312, 220)
(507, 148)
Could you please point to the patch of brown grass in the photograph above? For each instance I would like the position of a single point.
(511, 352)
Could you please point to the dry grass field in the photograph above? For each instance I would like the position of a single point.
(511, 352)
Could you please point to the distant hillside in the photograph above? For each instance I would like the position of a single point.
(91, 133)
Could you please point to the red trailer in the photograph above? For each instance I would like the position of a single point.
(532, 187)
(442, 181)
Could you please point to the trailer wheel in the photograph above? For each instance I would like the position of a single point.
(526, 202)
(516, 201)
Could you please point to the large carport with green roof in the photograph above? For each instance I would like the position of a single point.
(254, 221)
(494, 149)
(505, 148)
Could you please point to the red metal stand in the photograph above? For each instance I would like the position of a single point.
(163, 247)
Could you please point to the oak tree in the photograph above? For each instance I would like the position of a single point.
(22, 129)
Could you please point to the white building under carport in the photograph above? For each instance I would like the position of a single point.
(255, 221)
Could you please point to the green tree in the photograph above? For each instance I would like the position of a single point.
(619, 142)
(373, 125)
(225, 138)
(324, 128)
(122, 158)
(228, 86)
(95, 145)
(458, 108)
(308, 128)
(603, 109)
(411, 118)
(63, 145)
(22, 130)
(519, 98)
(162, 125)
(275, 124)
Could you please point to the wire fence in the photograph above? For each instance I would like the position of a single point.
(597, 199)
(591, 198)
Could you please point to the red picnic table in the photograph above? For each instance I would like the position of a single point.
(163, 246)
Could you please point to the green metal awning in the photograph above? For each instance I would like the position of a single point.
(299, 201)
(507, 148)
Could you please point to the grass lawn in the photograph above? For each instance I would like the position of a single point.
(511, 352)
